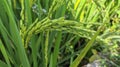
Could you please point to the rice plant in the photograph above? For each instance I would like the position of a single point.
(59, 33)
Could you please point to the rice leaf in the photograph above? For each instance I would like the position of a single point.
(15, 35)
(85, 50)
(3, 50)
(56, 49)
(2, 64)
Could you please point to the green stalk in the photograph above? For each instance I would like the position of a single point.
(56, 49)
(46, 49)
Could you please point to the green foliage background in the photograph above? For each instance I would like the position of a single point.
(59, 33)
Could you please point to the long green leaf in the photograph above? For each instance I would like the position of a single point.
(85, 50)
(3, 50)
(56, 49)
(2, 64)
(28, 12)
(15, 35)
